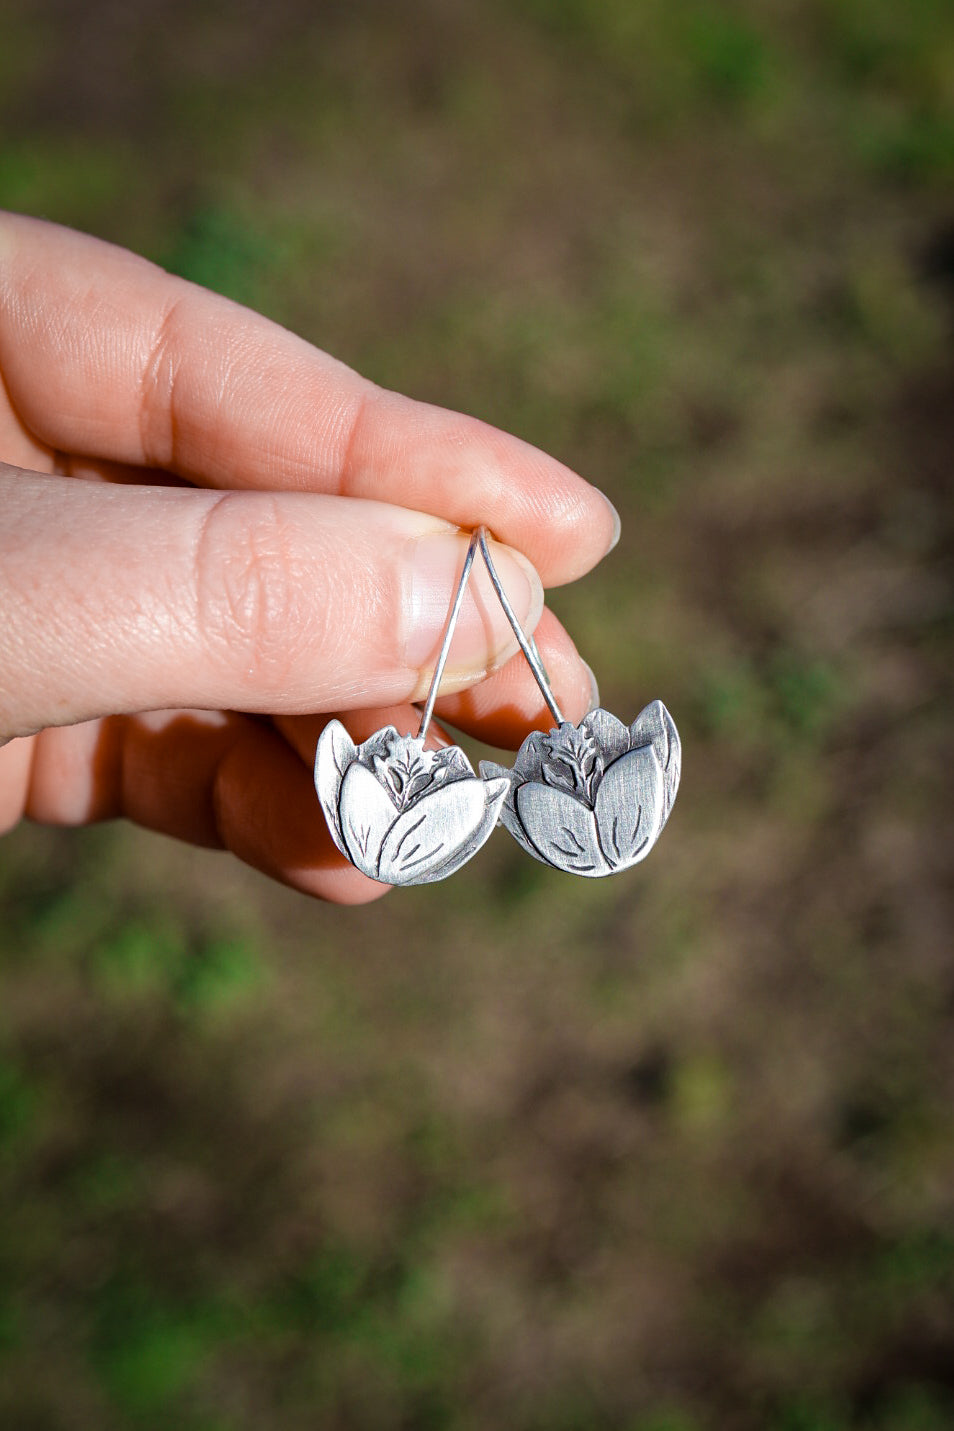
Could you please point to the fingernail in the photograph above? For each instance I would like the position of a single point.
(483, 637)
(594, 689)
(617, 525)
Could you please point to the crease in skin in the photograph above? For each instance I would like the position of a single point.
(411, 449)
(249, 603)
(351, 443)
(18, 446)
(345, 418)
(157, 388)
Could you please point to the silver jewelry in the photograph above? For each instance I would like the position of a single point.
(591, 798)
(402, 814)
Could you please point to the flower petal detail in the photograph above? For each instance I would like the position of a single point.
(336, 750)
(508, 812)
(511, 822)
(490, 770)
(431, 831)
(610, 734)
(529, 758)
(562, 830)
(629, 807)
(495, 792)
(367, 814)
(655, 726)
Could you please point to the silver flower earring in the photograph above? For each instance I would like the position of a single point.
(402, 814)
(591, 798)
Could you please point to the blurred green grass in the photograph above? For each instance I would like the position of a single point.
(668, 1153)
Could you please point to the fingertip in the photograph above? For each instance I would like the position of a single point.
(471, 473)
(90, 356)
(345, 886)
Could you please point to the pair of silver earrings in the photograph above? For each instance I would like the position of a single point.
(590, 799)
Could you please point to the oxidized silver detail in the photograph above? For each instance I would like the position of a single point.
(592, 798)
(400, 813)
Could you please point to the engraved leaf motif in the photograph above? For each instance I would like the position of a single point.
(572, 760)
(417, 783)
(392, 775)
(629, 807)
(425, 835)
(367, 813)
(561, 829)
(560, 774)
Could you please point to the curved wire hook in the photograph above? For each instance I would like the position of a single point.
(448, 637)
(527, 644)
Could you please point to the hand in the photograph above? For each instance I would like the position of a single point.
(255, 529)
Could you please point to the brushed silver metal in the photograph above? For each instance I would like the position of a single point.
(527, 644)
(592, 799)
(402, 814)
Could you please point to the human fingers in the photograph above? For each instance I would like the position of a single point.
(508, 705)
(211, 778)
(105, 355)
(301, 732)
(500, 710)
(120, 599)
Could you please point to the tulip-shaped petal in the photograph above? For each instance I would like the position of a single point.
(593, 798)
(655, 726)
(508, 811)
(610, 734)
(495, 792)
(437, 834)
(629, 808)
(561, 829)
(400, 813)
(335, 753)
(367, 813)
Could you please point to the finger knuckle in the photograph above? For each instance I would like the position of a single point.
(250, 590)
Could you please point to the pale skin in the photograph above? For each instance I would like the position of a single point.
(215, 536)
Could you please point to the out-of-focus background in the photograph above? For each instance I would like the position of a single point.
(669, 1152)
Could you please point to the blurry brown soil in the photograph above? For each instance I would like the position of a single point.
(663, 1153)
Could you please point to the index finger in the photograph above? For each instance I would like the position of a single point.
(106, 355)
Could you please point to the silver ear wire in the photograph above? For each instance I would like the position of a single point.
(402, 814)
(449, 630)
(527, 644)
(592, 798)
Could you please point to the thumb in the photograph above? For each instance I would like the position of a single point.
(120, 598)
